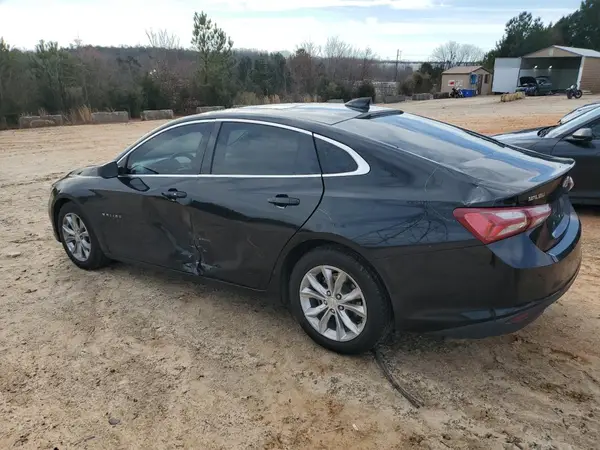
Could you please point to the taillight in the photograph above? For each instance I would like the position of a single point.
(493, 224)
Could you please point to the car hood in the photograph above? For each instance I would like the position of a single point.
(88, 171)
(524, 138)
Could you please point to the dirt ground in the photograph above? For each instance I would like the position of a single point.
(176, 364)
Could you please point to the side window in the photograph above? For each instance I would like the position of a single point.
(177, 151)
(253, 149)
(333, 159)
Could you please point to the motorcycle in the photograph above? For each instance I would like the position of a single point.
(456, 93)
(574, 92)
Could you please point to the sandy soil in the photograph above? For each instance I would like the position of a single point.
(174, 364)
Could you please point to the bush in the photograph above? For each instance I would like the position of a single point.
(407, 87)
(246, 98)
(328, 90)
(80, 115)
(365, 89)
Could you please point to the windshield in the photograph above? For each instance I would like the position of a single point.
(575, 123)
(527, 80)
(577, 112)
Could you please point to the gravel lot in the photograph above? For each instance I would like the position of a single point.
(127, 358)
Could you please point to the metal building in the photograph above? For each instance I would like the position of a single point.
(563, 65)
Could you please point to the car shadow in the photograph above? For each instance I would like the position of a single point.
(587, 210)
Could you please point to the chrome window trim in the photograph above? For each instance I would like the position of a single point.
(362, 166)
(262, 122)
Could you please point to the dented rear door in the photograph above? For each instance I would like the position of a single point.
(263, 183)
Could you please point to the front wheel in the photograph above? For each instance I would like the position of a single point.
(78, 238)
(339, 301)
(578, 94)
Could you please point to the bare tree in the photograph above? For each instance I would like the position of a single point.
(335, 53)
(303, 67)
(310, 48)
(471, 53)
(453, 54)
(162, 39)
(165, 68)
(367, 64)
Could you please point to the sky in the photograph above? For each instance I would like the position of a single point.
(415, 27)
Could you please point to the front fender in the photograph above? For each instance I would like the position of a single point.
(69, 189)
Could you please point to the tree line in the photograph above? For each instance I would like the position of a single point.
(164, 75)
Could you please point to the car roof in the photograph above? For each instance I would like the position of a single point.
(321, 113)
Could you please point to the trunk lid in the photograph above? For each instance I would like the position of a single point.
(501, 169)
(500, 175)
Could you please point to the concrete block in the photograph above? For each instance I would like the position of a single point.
(41, 121)
(110, 117)
(394, 98)
(439, 95)
(203, 109)
(157, 114)
(420, 97)
(335, 100)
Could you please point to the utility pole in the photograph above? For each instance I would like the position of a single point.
(397, 60)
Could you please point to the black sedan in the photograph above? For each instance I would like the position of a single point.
(576, 136)
(361, 218)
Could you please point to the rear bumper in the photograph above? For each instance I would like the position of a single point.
(504, 321)
(481, 290)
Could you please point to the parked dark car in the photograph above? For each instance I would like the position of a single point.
(361, 218)
(576, 136)
(541, 85)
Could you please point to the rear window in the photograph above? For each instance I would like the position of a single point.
(450, 146)
(427, 138)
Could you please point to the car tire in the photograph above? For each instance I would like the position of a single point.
(372, 329)
(85, 251)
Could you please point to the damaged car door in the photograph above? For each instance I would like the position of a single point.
(145, 215)
(261, 185)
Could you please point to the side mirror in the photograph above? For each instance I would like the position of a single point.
(582, 135)
(109, 170)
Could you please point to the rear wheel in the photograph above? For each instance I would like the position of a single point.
(578, 94)
(78, 238)
(339, 302)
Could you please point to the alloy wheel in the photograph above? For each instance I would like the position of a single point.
(333, 303)
(76, 237)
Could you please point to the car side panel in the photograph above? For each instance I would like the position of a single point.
(587, 167)
(384, 214)
(238, 233)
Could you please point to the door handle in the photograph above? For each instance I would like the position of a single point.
(282, 200)
(174, 194)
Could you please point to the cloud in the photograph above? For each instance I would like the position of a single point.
(415, 40)
(290, 5)
(415, 27)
